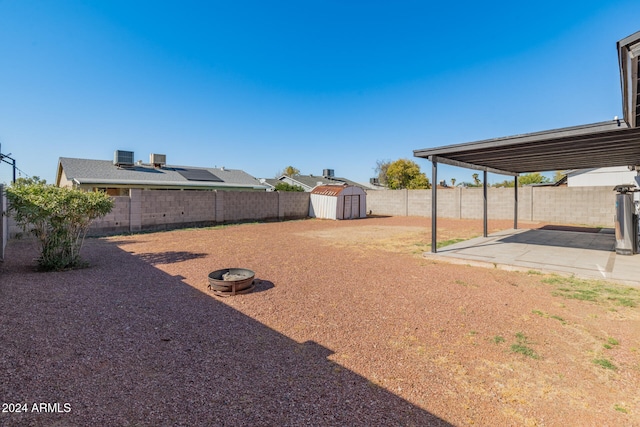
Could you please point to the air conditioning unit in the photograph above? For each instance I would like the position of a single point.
(123, 158)
(374, 181)
(158, 160)
(327, 173)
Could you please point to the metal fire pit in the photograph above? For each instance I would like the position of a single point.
(231, 281)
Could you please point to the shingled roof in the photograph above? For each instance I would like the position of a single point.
(308, 182)
(103, 173)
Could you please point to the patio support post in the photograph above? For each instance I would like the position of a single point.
(484, 197)
(434, 203)
(515, 204)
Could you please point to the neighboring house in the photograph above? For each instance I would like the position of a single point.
(118, 176)
(270, 183)
(309, 182)
(609, 177)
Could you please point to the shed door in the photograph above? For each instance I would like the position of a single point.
(355, 206)
(347, 208)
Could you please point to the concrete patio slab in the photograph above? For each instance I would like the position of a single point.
(586, 255)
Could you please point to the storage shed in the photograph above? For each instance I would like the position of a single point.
(338, 202)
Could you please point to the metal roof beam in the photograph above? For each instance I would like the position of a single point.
(452, 162)
(518, 140)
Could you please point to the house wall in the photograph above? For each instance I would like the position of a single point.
(64, 182)
(609, 177)
(566, 205)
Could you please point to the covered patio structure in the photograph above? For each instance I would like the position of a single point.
(610, 143)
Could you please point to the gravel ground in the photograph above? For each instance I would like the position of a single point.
(348, 326)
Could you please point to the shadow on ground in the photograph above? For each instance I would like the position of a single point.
(563, 238)
(125, 344)
(169, 257)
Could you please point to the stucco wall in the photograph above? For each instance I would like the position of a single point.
(565, 205)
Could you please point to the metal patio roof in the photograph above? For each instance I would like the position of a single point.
(610, 143)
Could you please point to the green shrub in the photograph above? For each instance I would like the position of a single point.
(285, 186)
(58, 217)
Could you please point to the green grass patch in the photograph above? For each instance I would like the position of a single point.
(498, 339)
(610, 343)
(523, 349)
(558, 318)
(521, 346)
(605, 363)
(448, 242)
(613, 341)
(595, 291)
(620, 408)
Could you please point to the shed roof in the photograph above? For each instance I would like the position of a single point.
(310, 181)
(328, 190)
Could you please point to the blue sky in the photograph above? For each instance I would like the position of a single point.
(258, 86)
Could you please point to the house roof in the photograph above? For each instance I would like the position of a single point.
(269, 182)
(104, 172)
(311, 181)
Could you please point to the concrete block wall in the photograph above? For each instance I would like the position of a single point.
(117, 221)
(246, 206)
(388, 202)
(161, 209)
(418, 202)
(293, 204)
(562, 205)
(577, 205)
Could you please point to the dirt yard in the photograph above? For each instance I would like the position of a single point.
(348, 325)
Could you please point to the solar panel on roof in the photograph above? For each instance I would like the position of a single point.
(198, 175)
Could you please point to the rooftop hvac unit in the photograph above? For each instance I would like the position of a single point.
(158, 159)
(123, 158)
(327, 173)
(374, 181)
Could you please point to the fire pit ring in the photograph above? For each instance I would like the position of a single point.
(231, 281)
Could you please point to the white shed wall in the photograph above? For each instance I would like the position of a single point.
(323, 206)
(333, 207)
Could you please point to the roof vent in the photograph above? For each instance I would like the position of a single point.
(327, 173)
(123, 158)
(158, 160)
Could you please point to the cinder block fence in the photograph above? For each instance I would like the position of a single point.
(146, 210)
(562, 205)
(165, 209)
